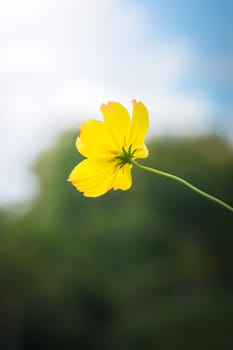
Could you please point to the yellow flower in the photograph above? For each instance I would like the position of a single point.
(109, 147)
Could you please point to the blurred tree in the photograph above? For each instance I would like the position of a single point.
(146, 268)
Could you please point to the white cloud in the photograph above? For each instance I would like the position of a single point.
(59, 60)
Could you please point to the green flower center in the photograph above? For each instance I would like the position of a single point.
(126, 156)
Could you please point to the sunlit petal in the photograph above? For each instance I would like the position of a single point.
(95, 140)
(140, 124)
(141, 152)
(123, 179)
(117, 121)
(93, 177)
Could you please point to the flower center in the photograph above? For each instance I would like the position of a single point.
(126, 156)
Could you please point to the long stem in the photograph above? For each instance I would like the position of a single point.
(179, 179)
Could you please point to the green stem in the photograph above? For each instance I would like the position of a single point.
(178, 179)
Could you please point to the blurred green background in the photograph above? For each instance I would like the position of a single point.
(150, 268)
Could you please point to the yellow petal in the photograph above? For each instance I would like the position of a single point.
(141, 152)
(117, 121)
(95, 140)
(140, 124)
(93, 177)
(123, 179)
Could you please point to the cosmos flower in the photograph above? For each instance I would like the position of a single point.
(110, 147)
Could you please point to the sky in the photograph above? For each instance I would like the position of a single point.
(61, 59)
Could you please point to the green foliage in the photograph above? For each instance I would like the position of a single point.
(150, 268)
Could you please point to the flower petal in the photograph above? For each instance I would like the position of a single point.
(95, 140)
(141, 152)
(140, 124)
(93, 177)
(117, 121)
(123, 179)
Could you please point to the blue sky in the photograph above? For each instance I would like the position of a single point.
(207, 23)
(61, 59)
(208, 26)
